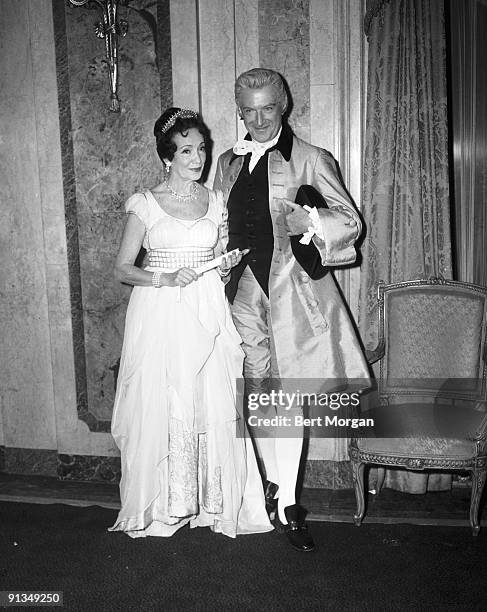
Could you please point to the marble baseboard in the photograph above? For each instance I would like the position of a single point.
(42, 462)
(88, 468)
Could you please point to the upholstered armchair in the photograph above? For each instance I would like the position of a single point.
(429, 404)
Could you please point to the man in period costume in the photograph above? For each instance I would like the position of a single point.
(292, 327)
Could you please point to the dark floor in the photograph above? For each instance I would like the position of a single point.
(434, 508)
(376, 568)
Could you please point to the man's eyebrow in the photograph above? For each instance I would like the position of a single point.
(254, 107)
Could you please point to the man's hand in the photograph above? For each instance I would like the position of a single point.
(297, 219)
(230, 260)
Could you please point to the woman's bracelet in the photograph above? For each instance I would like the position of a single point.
(156, 279)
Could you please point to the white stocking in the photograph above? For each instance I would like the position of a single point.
(288, 453)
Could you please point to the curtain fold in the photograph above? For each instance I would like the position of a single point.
(405, 201)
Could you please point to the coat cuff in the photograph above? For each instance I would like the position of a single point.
(337, 247)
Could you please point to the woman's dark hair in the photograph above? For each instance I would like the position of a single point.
(177, 121)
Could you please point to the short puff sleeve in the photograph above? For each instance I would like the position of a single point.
(138, 205)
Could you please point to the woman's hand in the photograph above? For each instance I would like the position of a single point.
(230, 260)
(180, 278)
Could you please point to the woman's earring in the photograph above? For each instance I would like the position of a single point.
(167, 166)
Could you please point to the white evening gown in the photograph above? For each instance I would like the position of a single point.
(175, 418)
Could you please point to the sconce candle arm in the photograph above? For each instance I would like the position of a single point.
(109, 28)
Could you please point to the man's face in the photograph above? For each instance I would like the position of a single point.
(261, 112)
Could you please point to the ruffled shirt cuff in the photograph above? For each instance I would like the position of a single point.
(315, 229)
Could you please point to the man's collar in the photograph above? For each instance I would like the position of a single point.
(284, 145)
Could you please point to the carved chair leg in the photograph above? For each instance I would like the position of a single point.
(478, 482)
(358, 481)
(381, 474)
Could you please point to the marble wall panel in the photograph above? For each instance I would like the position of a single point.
(284, 46)
(164, 52)
(185, 54)
(70, 214)
(52, 210)
(357, 79)
(217, 73)
(322, 42)
(246, 35)
(322, 68)
(26, 400)
(349, 107)
(113, 155)
(246, 43)
(322, 117)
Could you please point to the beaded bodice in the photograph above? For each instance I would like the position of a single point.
(172, 242)
(164, 231)
(168, 232)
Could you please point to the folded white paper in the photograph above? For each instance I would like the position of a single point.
(214, 263)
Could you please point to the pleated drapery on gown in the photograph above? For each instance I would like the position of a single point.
(185, 456)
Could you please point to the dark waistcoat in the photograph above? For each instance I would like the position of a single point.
(250, 225)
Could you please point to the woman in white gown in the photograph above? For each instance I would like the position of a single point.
(185, 456)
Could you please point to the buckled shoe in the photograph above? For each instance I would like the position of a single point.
(296, 530)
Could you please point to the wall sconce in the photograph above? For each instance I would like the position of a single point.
(110, 28)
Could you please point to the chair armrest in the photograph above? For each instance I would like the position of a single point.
(481, 432)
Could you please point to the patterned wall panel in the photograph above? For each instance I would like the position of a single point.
(26, 389)
(284, 46)
(106, 157)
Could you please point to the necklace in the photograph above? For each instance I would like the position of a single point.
(180, 196)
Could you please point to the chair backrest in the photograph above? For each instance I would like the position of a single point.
(433, 333)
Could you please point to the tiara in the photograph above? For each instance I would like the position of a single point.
(182, 113)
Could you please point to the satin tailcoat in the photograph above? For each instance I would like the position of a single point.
(313, 333)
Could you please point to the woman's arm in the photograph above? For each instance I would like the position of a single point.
(126, 272)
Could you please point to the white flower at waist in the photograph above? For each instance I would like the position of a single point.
(315, 229)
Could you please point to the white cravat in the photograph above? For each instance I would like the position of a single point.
(258, 149)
